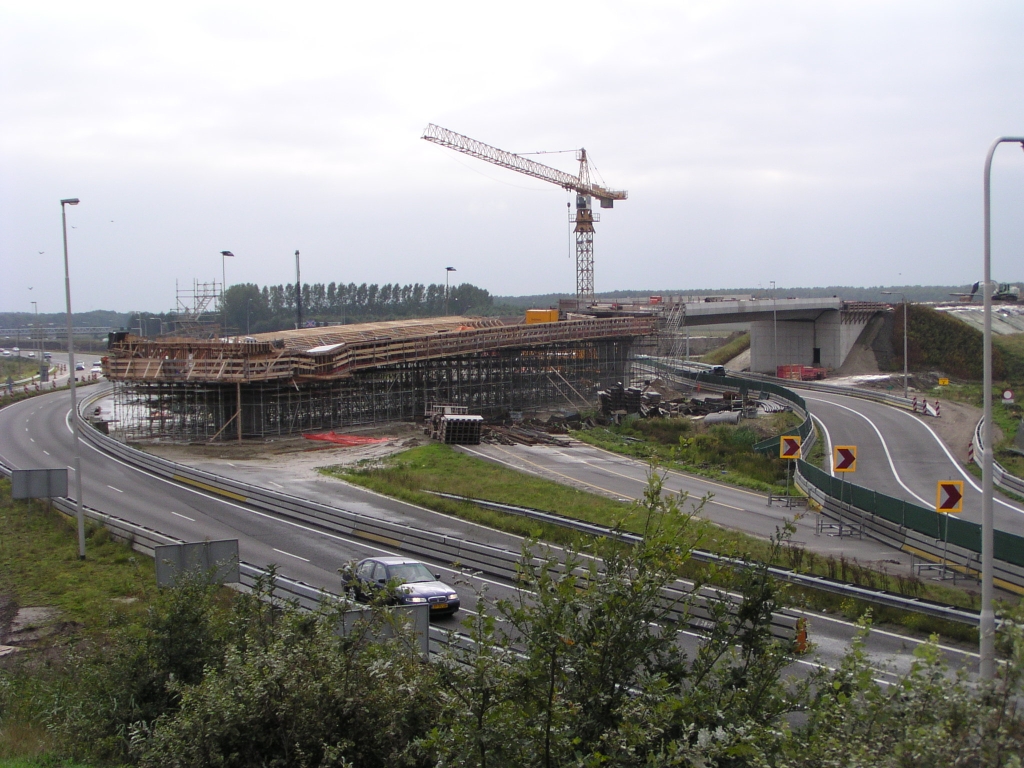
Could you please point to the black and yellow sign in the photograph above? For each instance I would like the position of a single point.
(789, 446)
(844, 458)
(949, 496)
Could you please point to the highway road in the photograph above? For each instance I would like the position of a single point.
(36, 433)
(899, 454)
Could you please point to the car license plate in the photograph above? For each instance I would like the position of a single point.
(438, 606)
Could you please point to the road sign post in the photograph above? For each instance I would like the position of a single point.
(844, 459)
(789, 449)
(949, 500)
(949, 496)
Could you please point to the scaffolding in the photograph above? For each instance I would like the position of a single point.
(199, 391)
(198, 310)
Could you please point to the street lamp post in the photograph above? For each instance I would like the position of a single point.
(224, 256)
(248, 304)
(775, 336)
(447, 271)
(298, 293)
(75, 427)
(906, 388)
(39, 339)
(988, 617)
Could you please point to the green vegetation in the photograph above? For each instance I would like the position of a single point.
(719, 451)
(17, 368)
(272, 307)
(936, 341)
(567, 672)
(727, 352)
(1011, 349)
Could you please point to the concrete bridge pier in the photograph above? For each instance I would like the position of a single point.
(823, 340)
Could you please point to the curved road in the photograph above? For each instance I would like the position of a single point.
(900, 455)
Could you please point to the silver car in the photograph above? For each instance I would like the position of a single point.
(411, 580)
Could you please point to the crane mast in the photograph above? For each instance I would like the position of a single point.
(583, 218)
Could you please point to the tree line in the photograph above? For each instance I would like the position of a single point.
(254, 309)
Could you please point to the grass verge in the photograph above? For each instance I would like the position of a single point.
(722, 452)
(727, 352)
(39, 566)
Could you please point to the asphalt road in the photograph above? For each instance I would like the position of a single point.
(900, 455)
(36, 433)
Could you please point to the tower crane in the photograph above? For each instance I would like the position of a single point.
(584, 217)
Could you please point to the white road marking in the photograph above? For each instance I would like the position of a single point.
(885, 447)
(190, 519)
(967, 476)
(828, 444)
(47, 453)
(32, 439)
(271, 482)
(115, 489)
(303, 559)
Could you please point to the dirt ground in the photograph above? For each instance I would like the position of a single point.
(956, 427)
(300, 456)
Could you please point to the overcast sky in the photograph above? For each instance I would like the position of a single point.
(810, 143)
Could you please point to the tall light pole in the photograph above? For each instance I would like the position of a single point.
(224, 256)
(447, 272)
(906, 388)
(248, 303)
(75, 427)
(298, 293)
(35, 323)
(988, 616)
(775, 338)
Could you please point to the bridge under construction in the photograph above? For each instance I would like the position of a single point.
(286, 382)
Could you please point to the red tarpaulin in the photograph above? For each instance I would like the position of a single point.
(346, 440)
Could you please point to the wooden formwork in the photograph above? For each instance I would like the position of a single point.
(323, 354)
(487, 382)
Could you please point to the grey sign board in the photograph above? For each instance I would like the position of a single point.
(217, 559)
(408, 621)
(39, 483)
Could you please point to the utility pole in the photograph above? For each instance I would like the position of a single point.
(775, 338)
(298, 293)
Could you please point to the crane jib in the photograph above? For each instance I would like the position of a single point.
(584, 217)
(512, 161)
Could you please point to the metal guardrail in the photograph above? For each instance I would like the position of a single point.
(817, 386)
(1000, 476)
(877, 597)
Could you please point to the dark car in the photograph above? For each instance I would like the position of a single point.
(410, 580)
